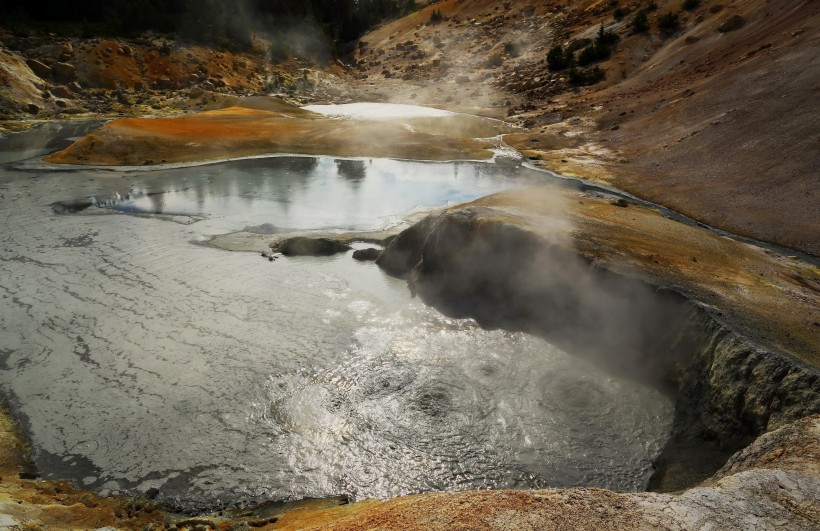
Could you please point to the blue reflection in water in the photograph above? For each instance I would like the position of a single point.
(316, 193)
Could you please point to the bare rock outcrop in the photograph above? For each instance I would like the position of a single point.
(369, 254)
(42, 70)
(61, 91)
(64, 72)
(20, 88)
(732, 23)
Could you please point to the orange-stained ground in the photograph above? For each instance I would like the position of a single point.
(240, 131)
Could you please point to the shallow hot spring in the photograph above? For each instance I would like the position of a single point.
(137, 357)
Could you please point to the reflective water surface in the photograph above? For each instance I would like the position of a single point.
(136, 359)
(282, 194)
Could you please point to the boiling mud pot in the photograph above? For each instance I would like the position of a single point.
(137, 360)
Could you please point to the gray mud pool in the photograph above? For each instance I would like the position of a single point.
(136, 357)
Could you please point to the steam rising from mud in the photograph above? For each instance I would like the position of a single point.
(238, 378)
(477, 262)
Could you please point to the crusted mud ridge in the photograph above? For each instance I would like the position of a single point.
(483, 263)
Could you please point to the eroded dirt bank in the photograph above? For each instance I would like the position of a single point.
(770, 298)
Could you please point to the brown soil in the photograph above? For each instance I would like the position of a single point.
(725, 129)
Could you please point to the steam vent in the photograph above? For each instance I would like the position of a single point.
(409, 265)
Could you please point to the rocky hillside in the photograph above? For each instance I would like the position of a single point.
(711, 110)
(46, 77)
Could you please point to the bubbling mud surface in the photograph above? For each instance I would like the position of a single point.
(138, 360)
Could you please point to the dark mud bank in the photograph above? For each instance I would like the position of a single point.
(476, 263)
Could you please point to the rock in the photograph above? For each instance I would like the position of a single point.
(303, 246)
(404, 251)
(262, 522)
(200, 524)
(62, 92)
(61, 104)
(732, 23)
(164, 83)
(770, 487)
(619, 203)
(67, 49)
(577, 44)
(7, 522)
(40, 70)
(369, 254)
(688, 92)
(691, 39)
(139, 86)
(195, 92)
(124, 99)
(64, 72)
(70, 207)
(31, 108)
(74, 86)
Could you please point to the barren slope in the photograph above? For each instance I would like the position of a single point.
(722, 126)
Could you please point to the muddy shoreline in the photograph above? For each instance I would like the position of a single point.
(729, 388)
(729, 393)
